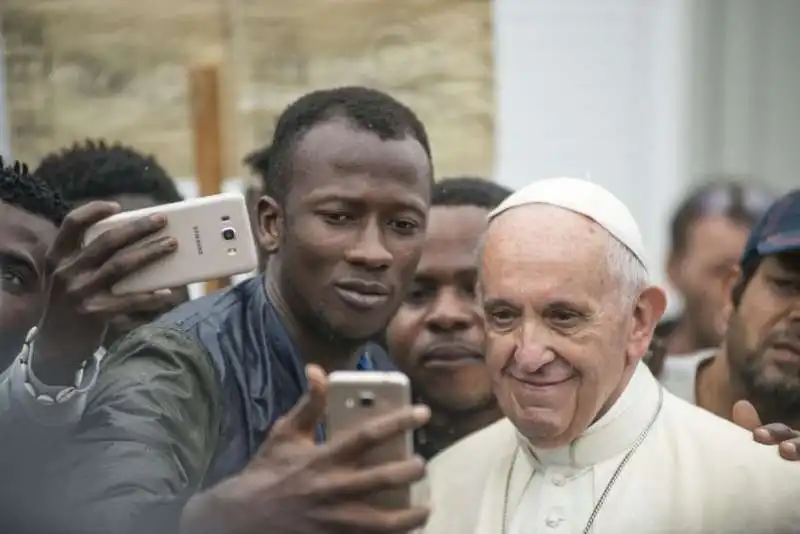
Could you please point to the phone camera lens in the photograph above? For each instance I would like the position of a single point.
(366, 400)
(228, 234)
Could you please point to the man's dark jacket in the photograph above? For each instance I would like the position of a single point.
(179, 405)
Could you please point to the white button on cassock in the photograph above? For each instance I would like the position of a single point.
(553, 520)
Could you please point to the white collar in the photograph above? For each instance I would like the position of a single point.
(609, 436)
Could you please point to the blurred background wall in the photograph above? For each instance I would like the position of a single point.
(643, 96)
(647, 97)
(118, 68)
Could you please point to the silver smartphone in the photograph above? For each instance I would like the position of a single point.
(214, 241)
(355, 397)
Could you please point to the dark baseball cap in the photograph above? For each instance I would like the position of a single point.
(777, 232)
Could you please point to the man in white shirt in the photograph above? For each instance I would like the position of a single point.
(759, 359)
(679, 377)
(592, 442)
(707, 234)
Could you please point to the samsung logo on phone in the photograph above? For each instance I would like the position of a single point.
(197, 242)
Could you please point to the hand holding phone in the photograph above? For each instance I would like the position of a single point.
(213, 240)
(79, 302)
(293, 484)
(357, 398)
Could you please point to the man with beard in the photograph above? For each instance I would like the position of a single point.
(95, 170)
(184, 404)
(759, 359)
(436, 337)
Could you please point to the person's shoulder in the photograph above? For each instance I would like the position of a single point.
(156, 358)
(485, 442)
(735, 468)
(688, 418)
(150, 337)
(156, 350)
(213, 307)
(457, 477)
(723, 441)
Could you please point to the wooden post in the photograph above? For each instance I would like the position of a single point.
(207, 123)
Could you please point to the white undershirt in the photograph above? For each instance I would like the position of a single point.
(679, 374)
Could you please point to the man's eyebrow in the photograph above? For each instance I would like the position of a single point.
(331, 195)
(493, 302)
(583, 309)
(424, 278)
(568, 304)
(789, 263)
(11, 256)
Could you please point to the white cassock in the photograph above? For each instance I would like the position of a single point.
(693, 473)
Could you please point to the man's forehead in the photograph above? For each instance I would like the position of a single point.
(457, 222)
(452, 238)
(339, 143)
(542, 226)
(24, 228)
(538, 286)
(548, 252)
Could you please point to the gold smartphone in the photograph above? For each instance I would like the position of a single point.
(354, 397)
(214, 241)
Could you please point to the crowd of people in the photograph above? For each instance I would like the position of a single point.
(551, 394)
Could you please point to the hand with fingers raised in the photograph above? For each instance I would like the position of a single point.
(787, 439)
(79, 301)
(295, 486)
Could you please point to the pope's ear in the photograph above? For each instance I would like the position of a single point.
(646, 314)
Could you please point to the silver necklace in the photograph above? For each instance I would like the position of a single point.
(603, 496)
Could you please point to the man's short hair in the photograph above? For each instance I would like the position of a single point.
(258, 162)
(24, 191)
(366, 109)
(468, 191)
(98, 170)
(734, 199)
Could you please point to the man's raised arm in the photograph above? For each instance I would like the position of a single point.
(147, 437)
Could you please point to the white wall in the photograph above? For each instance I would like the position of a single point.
(746, 111)
(598, 89)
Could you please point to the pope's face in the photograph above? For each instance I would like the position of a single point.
(561, 343)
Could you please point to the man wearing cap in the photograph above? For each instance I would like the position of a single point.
(759, 359)
(591, 442)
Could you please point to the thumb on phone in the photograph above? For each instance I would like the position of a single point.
(302, 420)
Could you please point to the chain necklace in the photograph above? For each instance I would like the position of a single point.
(601, 501)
